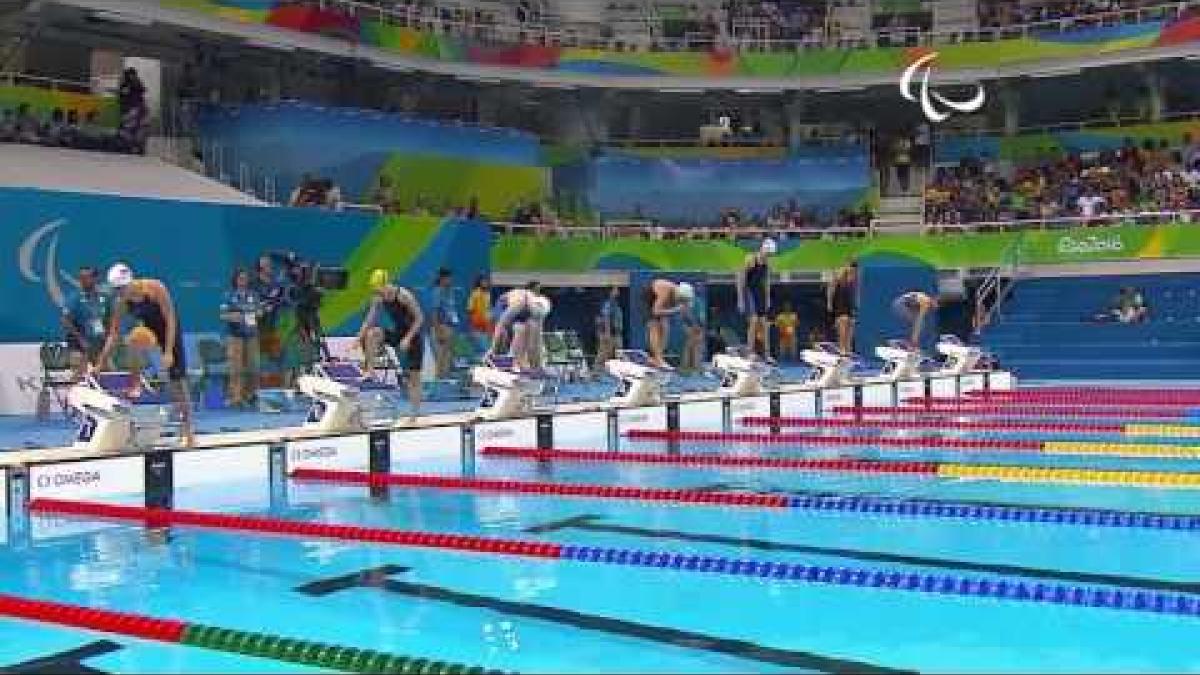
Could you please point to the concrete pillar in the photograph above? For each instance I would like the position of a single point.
(1156, 89)
(1010, 101)
(795, 110)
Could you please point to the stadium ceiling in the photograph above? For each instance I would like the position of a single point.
(142, 20)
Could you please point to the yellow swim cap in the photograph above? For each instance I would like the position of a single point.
(379, 279)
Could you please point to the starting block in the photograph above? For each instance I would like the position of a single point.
(961, 358)
(639, 382)
(742, 374)
(121, 411)
(831, 368)
(344, 398)
(899, 363)
(507, 391)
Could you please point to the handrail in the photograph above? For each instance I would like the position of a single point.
(12, 79)
(1105, 122)
(427, 18)
(651, 230)
(995, 289)
(1180, 216)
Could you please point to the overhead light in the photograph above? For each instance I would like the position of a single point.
(1057, 73)
(266, 44)
(666, 90)
(394, 67)
(117, 17)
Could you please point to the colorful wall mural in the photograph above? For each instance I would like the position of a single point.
(1032, 146)
(196, 246)
(44, 101)
(1039, 45)
(1039, 247)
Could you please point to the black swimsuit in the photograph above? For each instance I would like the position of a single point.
(402, 320)
(843, 298)
(148, 312)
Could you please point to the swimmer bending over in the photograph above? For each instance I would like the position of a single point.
(403, 312)
(149, 301)
(664, 299)
(914, 307)
(520, 316)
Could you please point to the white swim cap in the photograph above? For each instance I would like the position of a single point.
(540, 306)
(120, 276)
(769, 246)
(685, 292)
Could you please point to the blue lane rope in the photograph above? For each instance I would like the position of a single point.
(1023, 514)
(1001, 588)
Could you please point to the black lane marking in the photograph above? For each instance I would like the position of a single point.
(588, 522)
(68, 662)
(745, 487)
(379, 577)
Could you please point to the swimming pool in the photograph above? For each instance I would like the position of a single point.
(623, 612)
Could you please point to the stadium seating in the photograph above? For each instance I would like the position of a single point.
(1045, 329)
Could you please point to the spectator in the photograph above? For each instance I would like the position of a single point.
(384, 195)
(8, 127)
(309, 192)
(55, 133)
(133, 131)
(1129, 306)
(28, 127)
(131, 93)
(241, 313)
(92, 135)
(445, 322)
(270, 293)
(479, 312)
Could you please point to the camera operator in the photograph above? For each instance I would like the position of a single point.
(305, 298)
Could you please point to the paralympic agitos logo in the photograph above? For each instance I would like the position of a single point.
(937, 108)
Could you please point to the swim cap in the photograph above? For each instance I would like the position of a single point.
(685, 292)
(540, 306)
(120, 276)
(769, 246)
(141, 338)
(379, 278)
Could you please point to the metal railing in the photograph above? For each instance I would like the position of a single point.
(996, 288)
(428, 19)
(1130, 218)
(14, 79)
(648, 229)
(1104, 122)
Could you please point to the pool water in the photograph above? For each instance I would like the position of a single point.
(525, 615)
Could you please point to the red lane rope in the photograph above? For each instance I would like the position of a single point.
(1072, 394)
(841, 465)
(540, 488)
(1008, 411)
(291, 528)
(926, 423)
(811, 439)
(1045, 404)
(107, 621)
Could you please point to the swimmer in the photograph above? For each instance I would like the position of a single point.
(842, 300)
(914, 307)
(754, 297)
(664, 299)
(404, 314)
(149, 301)
(520, 317)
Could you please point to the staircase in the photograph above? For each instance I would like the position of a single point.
(955, 16)
(1043, 331)
(852, 17)
(900, 214)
